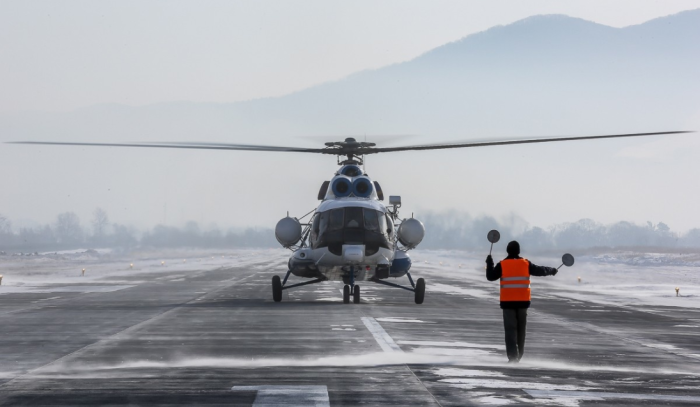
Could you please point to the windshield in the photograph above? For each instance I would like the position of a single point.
(351, 225)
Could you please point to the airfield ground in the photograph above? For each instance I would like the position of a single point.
(205, 331)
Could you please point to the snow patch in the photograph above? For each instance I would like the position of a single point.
(452, 344)
(402, 319)
(448, 371)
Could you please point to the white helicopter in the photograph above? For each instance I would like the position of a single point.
(352, 235)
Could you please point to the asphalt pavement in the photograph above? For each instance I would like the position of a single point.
(214, 337)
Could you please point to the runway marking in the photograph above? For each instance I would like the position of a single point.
(383, 339)
(599, 395)
(269, 395)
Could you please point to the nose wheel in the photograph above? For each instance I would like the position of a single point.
(353, 292)
(346, 294)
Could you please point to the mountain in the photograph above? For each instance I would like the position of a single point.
(544, 74)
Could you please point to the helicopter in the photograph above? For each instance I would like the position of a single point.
(352, 236)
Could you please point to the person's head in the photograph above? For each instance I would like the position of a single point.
(513, 249)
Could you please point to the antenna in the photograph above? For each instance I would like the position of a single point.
(364, 166)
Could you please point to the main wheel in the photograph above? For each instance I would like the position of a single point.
(346, 294)
(276, 288)
(420, 291)
(356, 295)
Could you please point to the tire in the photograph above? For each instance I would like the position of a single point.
(420, 291)
(346, 294)
(356, 295)
(276, 289)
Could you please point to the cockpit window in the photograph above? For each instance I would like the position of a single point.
(353, 218)
(322, 223)
(336, 219)
(382, 224)
(315, 225)
(371, 220)
(351, 225)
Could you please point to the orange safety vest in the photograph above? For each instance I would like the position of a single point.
(515, 280)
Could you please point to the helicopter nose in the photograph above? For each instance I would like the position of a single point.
(353, 253)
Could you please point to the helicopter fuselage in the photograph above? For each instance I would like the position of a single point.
(351, 235)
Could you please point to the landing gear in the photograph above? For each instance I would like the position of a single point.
(356, 294)
(346, 294)
(276, 288)
(279, 286)
(418, 288)
(420, 291)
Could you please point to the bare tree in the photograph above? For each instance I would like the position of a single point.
(68, 230)
(5, 225)
(100, 222)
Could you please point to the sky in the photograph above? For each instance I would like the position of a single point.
(61, 56)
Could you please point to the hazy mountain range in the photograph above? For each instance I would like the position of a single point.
(545, 75)
(542, 74)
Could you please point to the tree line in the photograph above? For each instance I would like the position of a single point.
(459, 230)
(68, 232)
(444, 230)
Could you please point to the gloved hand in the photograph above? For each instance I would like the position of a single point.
(553, 271)
(489, 260)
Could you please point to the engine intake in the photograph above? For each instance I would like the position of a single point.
(362, 187)
(341, 187)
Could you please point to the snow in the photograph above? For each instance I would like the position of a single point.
(402, 320)
(106, 271)
(623, 279)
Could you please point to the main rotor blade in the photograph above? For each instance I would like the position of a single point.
(196, 146)
(514, 141)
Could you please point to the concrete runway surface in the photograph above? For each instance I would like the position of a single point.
(210, 334)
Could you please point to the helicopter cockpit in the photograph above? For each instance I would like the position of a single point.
(352, 225)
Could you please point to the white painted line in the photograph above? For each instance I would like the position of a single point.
(380, 335)
(599, 395)
(270, 396)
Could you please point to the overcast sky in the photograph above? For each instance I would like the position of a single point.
(61, 55)
(65, 55)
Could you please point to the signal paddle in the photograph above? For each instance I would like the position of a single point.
(493, 237)
(566, 260)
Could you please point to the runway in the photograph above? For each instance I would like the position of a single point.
(207, 333)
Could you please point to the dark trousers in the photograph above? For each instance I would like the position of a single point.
(514, 323)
